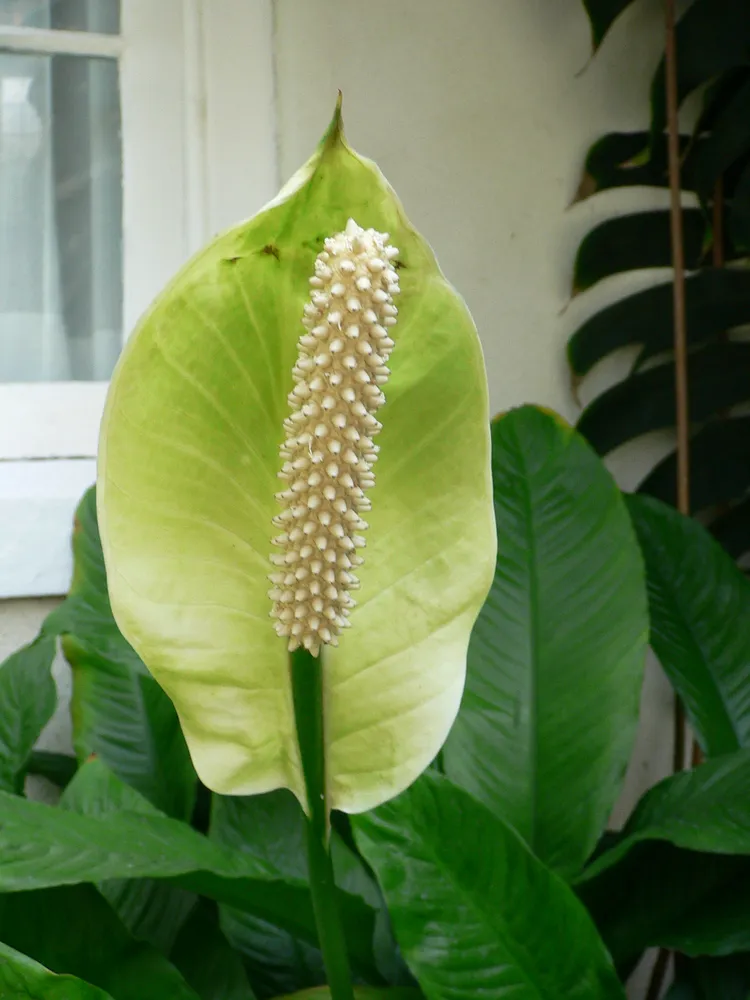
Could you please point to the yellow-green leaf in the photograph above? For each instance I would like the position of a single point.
(188, 472)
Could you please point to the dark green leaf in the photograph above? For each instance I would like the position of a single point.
(728, 141)
(706, 809)
(119, 712)
(556, 658)
(711, 979)
(151, 910)
(21, 978)
(718, 378)
(473, 910)
(602, 14)
(41, 846)
(719, 466)
(661, 895)
(624, 159)
(700, 622)
(732, 529)
(740, 212)
(123, 716)
(654, 888)
(73, 930)
(205, 959)
(59, 768)
(717, 300)
(639, 240)
(711, 38)
(360, 993)
(86, 611)
(27, 700)
(270, 827)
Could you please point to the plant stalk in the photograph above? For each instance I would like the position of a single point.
(307, 686)
(680, 320)
(679, 746)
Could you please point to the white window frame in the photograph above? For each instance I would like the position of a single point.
(199, 153)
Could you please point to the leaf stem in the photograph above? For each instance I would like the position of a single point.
(307, 687)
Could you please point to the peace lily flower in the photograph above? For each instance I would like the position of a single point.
(241, 424)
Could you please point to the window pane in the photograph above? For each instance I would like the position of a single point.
(67, 15)
(60, 218)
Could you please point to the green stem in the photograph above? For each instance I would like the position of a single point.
(308, 710)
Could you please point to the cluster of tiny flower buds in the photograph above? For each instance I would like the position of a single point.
(328, 453)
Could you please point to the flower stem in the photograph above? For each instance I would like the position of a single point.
(308, 710)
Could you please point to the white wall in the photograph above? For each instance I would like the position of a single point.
(480, 113)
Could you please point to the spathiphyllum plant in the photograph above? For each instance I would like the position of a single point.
(304, 595)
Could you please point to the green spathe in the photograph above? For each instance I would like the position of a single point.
(187, 475)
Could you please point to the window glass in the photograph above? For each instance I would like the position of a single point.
(67, 15)
(60, 218)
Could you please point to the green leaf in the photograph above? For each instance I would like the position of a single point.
(124, 717)
(740, 212)
(360, 993)
(654, 888)
(718, 378)
(72, 930)
(473, 910)
(659, 895)
(119, 712)
(27, 698)
(706, 809)
(713, 36)
(602, 14)
(728, 140)
(717, 300)
(556, 658)
(86, 611)
(41, 846)
(719, 466)
(187, 478)
(270, 827)
(151, 910)
(639, 240)
(624, 159)
(700, 622)
(21, 978)
(205, 959)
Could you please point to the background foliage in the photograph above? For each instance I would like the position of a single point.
(713, 44)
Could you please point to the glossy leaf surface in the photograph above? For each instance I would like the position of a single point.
(21, 978)
(187, 476)
(42, 847)
(706, 809)
(556, 657)
(700, 622)
(152, 910)
(483, 916)
(271, 827)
